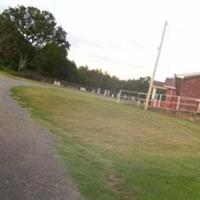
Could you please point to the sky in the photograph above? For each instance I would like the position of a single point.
(122, 37)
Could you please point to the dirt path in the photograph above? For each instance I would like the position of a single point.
(29, 167)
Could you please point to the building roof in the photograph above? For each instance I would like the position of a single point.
(174, 83)
(170, 83)
(158, 84)
(188, 75)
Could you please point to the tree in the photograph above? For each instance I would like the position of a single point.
(51, 61)
(8, 41)
(30, 38)
(34, 28)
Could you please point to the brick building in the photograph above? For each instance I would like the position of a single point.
(188, 85)
(179, 93)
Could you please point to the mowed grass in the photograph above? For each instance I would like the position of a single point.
(119, 152)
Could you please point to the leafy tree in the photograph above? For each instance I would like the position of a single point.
(30, 38)
(72, 72)
(49, 60)
(141, 84)
(98, 79)
(34, 28)
(9, 38)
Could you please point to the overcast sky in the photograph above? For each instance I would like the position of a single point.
(122, 36)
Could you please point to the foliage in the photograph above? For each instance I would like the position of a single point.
(9, 41)
(30, 39)
(31, 28)
(141, 84)
(98, 79)
(49, 60)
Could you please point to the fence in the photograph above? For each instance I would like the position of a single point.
(160, 101)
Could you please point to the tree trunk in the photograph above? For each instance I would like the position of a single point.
(22, 61)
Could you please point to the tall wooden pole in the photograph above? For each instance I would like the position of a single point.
(155, 67)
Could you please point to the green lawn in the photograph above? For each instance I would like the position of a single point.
(116, 151)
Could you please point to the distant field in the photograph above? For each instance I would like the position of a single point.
(119, 152)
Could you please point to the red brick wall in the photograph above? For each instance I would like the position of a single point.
(190, 87)
(171, 99)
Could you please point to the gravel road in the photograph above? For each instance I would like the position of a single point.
(29, 166)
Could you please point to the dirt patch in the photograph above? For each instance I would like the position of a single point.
(116, 184)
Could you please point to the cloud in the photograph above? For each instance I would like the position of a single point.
(118, 61)
(103, 43)
(93, 42)
(41, 4)
(3, 7)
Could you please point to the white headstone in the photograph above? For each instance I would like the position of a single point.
(82, 89)
(99, 91)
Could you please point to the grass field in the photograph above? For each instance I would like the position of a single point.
(118, 152)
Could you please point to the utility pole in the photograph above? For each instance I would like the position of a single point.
(155, 67)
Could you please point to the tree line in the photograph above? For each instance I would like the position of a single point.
(30, 39)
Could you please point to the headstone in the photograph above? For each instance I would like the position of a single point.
(105, 93)
(99, 91)
(57, 83)
(82, 89)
